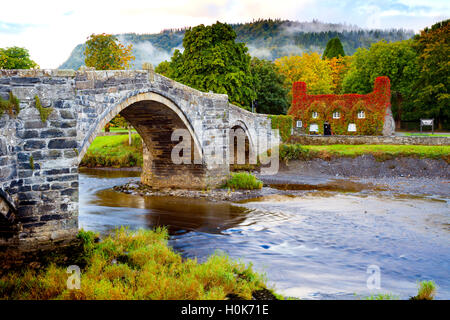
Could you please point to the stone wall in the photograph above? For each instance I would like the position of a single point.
(354, 140)
(82, 102)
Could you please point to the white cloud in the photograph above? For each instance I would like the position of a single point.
(51, 29)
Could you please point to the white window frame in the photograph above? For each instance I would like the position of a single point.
(299, 124)
(315, 115)
(361, 114)
(336, 115)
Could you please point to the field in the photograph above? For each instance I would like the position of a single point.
(114, 151)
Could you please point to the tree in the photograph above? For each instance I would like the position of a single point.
(432, 97)
(16, 58)
(339, 68)
(213, 61)
(105, 52)
(309, 68)
(271, 95)
(334, 49)
(396, 60)
(163, 68)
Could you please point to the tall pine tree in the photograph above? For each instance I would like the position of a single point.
(334, 49)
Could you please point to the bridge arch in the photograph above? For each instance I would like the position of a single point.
(239, 132)
(114, 110)
(155, 117)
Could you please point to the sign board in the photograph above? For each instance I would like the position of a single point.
(427, 122)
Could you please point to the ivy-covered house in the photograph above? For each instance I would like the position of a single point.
(347, 114)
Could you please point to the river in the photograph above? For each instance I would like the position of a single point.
(317, 245)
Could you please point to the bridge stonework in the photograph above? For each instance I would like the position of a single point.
(39, 198)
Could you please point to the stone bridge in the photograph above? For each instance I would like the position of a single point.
(39, 159)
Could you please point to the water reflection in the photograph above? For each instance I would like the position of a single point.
(103, 208)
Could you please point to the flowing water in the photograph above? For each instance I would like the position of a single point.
(317, 245)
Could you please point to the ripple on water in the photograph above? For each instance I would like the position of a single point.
(317, 245)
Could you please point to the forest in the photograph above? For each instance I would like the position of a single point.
(266, 39)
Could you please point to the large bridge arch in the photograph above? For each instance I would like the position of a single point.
(117, 108)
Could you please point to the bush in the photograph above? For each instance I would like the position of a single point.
(282, 123)
(243, 180)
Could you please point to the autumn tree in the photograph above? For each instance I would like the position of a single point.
(396, 60)
(432, 95)
(339, 68)
(309, 68)
(213, 61)
(334, 49)
(105, 52)
(16, 58)
(271, 95)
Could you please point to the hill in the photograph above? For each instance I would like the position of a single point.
(265, 38)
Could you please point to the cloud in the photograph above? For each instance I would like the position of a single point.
(51, 29)
(13, 28)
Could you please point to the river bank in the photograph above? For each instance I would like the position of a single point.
(127, 265)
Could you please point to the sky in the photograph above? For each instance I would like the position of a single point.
(50, 29)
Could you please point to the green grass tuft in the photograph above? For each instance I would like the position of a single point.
(426, 290)
(43, 112)
(243, 180)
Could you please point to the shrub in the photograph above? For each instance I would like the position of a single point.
(282, 123)
(243, 180)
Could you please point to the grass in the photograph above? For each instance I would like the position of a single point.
(380, 152)
(383, 296)
(243, 180)
(426, 134)
(118, 129)
(135, 265)
(114, 151)
(426, 290)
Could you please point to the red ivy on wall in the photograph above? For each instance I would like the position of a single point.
(374, 105)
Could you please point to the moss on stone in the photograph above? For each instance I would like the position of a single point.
(44, 112)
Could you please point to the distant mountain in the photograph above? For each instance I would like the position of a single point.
(265, 38)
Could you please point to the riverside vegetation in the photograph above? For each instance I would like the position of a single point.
(114, 151)
(136, 265)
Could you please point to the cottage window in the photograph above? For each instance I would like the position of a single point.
(299, 124)
(336, 115)
(351, 127)
(313, 127)
(361, 115)
(315, 115)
